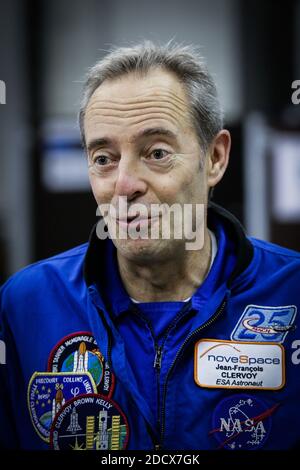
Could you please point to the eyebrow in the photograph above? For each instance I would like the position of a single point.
(102, 141)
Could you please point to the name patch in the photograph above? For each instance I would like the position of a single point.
(233, 364)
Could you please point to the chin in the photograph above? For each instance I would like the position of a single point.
(140, 249)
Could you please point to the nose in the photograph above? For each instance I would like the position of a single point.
(130, 181)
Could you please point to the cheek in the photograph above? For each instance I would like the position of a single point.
(192, 186)
(167, 188)
(102, 191)
(197, 190)
(176, 188)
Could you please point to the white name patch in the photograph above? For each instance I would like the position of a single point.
(234, 364)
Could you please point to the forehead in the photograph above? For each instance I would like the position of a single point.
(133, 101)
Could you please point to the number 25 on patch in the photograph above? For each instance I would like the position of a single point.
(264, 324)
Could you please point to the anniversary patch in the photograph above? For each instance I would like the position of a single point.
(48, 392)
(265, 324)
(79, 352)
(90, 422)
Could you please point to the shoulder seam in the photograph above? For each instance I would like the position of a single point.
(46, 260)
(287, 251)
(58, 256)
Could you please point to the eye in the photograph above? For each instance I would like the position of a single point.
(101, 160)
(159, 154)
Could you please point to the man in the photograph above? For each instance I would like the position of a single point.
(144, 340)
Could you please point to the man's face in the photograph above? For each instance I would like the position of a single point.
(142, 145)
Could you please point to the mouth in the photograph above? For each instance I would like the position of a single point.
(134, 220)
(127, 218)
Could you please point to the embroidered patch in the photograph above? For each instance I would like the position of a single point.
(267, 324)
(48, 392)
(242, 422)
(90, 422)
(79, 352)
(232, 364)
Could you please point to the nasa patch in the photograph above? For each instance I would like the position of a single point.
(265, 324)
(242, 422)
(48, 392)
(90, 422)
(79, 352)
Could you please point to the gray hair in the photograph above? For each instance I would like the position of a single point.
(184, 61)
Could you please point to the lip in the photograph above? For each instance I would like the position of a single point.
(125, 219)
(136, 220)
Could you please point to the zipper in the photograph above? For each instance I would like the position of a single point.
(159, 352)
(158, 357)
(218, 312)
(157, 367)
(157, 360)
(109, 359)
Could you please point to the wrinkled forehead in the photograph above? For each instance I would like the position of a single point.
(132, 99)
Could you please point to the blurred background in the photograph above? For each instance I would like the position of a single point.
(253, 50)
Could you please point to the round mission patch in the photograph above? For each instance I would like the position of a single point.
(48, 392)
(90, 422)
(79, 353)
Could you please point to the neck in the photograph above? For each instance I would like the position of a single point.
(173, 279)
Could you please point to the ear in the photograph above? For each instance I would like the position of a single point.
(218, 157)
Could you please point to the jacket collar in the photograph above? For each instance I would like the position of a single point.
(237, 234)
